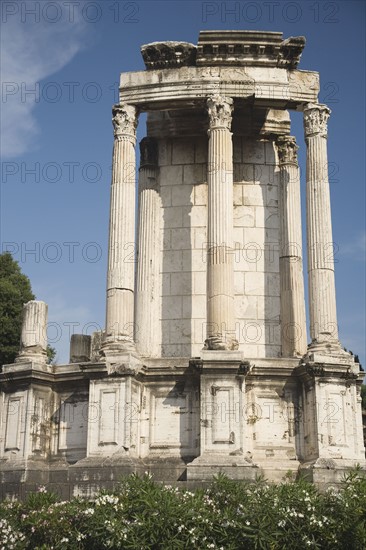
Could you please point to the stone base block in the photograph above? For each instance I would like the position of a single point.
(205, 467)
(85, 478)
(90, 475)
(276, 471)
(328, 473)
(167, 470)
(22, 477)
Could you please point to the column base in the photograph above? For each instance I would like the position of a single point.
(328, 352)
(113, 342)
(32, 355)
(221, 343)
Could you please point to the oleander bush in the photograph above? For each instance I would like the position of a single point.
(228, 515)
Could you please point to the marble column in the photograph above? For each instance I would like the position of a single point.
(220, 260)
(147, 319)
(322, 299)
(121, 249)
(33, 340)
(293, 318)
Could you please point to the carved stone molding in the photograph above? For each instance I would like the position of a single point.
(244, 368)
(316, 119)
(196, 363)
(168, 55)
(327, 463)
(249, 48)
(287, 149)
(124, 119)
(315, 370)
(220, 111)
(290, 52)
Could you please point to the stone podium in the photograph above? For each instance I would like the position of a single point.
(204, 365)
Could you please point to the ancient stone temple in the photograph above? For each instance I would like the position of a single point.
(205, 364)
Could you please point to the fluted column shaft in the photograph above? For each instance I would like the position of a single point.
(322, 299)
(220, 267)
(33, 340)
(293, 318)
(149, 253)
(121, 249)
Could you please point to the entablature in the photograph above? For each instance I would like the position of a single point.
(188, 87)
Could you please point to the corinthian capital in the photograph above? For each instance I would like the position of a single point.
(316, 119)
(220, 111)
(124, 118)
(287, 149)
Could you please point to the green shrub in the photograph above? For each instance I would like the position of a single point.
(229, 515)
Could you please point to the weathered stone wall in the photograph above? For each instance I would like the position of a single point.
(256, 235)
(183, 188)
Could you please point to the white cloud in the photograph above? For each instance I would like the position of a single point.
(31, 51)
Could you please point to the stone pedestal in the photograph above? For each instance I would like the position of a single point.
(114, 409)
(322, 300)
(220, 261)
(33, 342)
(332, 421)
(121, 248)
(222, 447)
(148, 279)
(293, 322)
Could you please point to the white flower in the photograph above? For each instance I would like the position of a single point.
(106, 499)
(281, 523)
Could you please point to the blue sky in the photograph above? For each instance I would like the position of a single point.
(60, 67)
